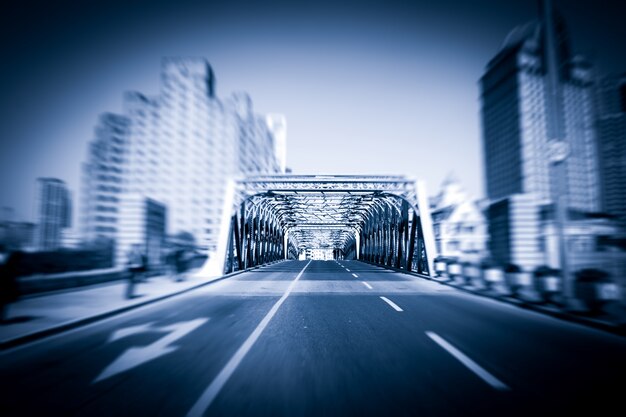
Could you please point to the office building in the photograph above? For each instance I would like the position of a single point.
(611, 115)
(103, 176)
(518, 123)
(184, 144)
(277, 124)
(53, 212)
(539, 140)
(142, 223)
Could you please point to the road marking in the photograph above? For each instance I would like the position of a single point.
(209, 394)
(129, 331)
(391, 303)
(470, 364)
(355, 275)
(367, 285)
(136, 356)
(347, 270)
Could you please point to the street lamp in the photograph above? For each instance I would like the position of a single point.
(558, 151)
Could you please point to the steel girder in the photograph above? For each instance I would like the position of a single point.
(381, 219)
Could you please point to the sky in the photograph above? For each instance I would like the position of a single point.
(367, 87)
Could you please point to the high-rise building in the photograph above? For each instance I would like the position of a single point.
(518, 124)
(103, 176)
(53, 212)
(611, 113)
(185, 144)
(278, 127)
(539, 141)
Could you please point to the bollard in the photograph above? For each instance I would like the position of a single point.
(470, 273)
(547, 282)
(595, 289)
(454, 270)
(512, 278)
(440, 267)
(491, 276)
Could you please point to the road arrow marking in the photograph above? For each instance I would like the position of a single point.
(134, 357)
(129, 331)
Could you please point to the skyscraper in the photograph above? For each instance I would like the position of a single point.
(278, 126)
(518, 124)
(611, 112)
(53, 212)
(185, 143)
(539, 137)
(103, 175)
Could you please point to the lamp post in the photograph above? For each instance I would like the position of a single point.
(557, 154)
(557, 147)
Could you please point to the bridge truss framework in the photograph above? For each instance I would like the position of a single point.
(379, 219)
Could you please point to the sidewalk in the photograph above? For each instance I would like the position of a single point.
(31, 318)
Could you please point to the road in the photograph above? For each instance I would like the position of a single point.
(315, 338)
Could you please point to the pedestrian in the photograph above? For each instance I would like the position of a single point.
(180, 260)
(9, 291)
(170, 261)
(136, 267)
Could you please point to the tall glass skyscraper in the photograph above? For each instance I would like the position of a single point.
(518, 124)
(612, 140)
(539, 140)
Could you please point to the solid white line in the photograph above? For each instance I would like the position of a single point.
(355, 275)
(209, 394)
(470, 364)
(367, 285)
(391, 303)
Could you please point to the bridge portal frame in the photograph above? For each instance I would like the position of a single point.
(387, 221)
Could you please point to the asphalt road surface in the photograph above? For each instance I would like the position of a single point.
(315, 338)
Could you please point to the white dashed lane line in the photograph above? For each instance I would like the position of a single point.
(355, 275)
(367, 285)
(391, 303)
(470, 364)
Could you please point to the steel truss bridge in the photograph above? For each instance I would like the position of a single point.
(378, 219)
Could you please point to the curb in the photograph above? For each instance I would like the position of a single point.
(60, 328)
(617, 329)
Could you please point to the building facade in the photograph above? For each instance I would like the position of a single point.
(611, 114)
(53, 214)
(518, 126)
(103, 176)
(540, 143)
(458, 223)
(185, 144)
(142, 224)
(277, 124)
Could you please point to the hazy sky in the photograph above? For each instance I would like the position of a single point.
(367, 87)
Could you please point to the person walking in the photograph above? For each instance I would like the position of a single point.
(180, 261)
(170, 262)
(136, 266)
(9, 291)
